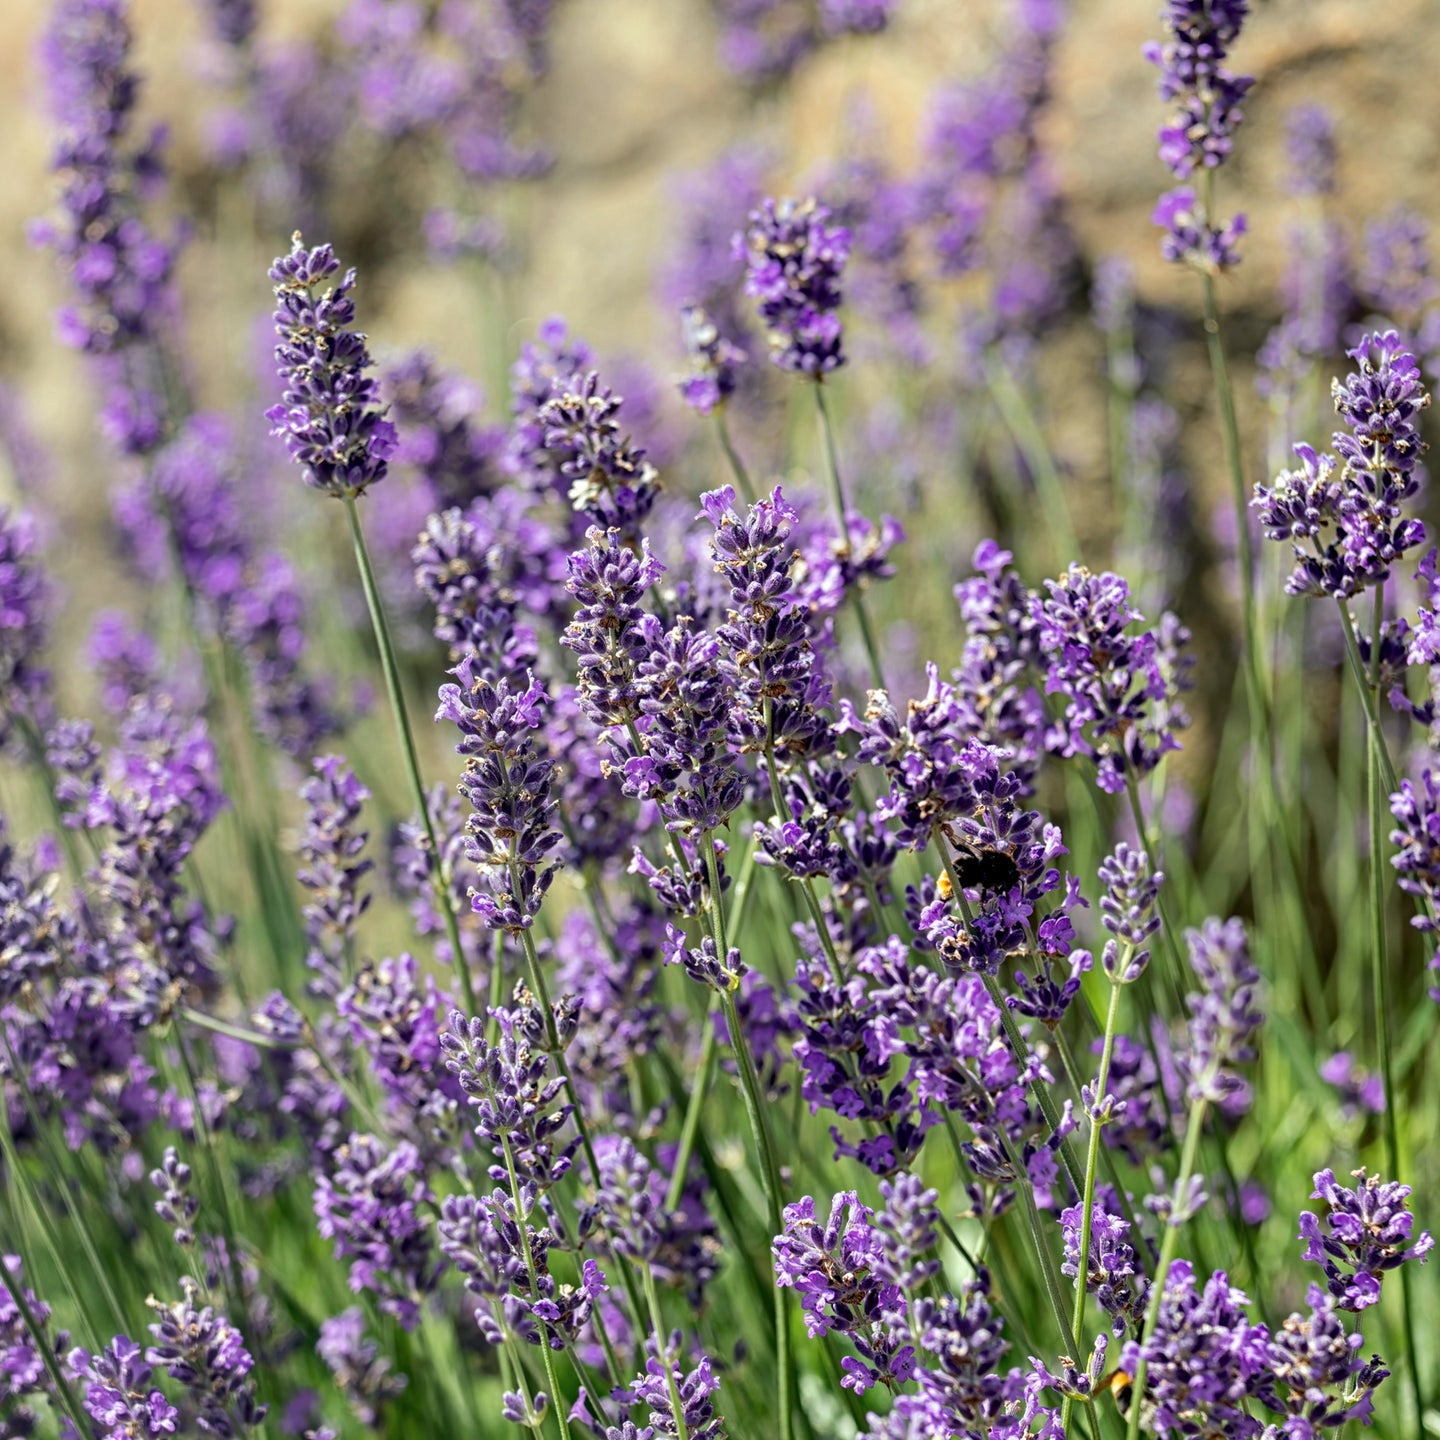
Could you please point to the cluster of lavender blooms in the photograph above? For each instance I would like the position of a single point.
(179, 509)
(1345, 511)
(1206, 101)
(982, 198)
(120, 269)
(678, 854)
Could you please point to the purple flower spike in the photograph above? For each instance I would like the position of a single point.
(1367, 1232)
(1122, 688)
(361, 1372)
(372, 1202)
(200, 1349)
(118, 1393)
(604, 474)
(1205, 1359)
(1114, 1276)
(768, 655)
(1224, 1015)
(1310, 150)
(22, 1367)
(1205, 102)
(713, 360)
(1320, 1381)
(1191, 239)
(1348, 529)
(24, 628)
(794, 261)
(1360, 1092)
(120, 271)
(509, 782)
(332, 849)
(1205, 96)
(330, 415)
(512, 1089)
(843, 1276)
(609, 580)
(1416, 808)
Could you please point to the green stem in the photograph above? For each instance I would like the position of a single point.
(690, 1129)
(20, 1179)
(522, 1218)
(662, 1351)
(1367, 697)
(45, 773)
(1175, 971)
(1194, 1124)
(760, 1131)
(837, 499)
(1390, 1119)
(210, 1146)
(1092, 1160)
(41, 1341)
(1230, 437)
(235, 1032)
(562, 1067)
(55, 1162)
(439, 879)
(737, 465)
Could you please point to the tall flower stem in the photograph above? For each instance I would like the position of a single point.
(562, 1067)
(1092, 1162)
(44, 773)
(1380, 989)
(662, 1351)
(842, 520)
(1175, 970)
(737, 465)
(41, 1342)
(1230, 438)
(278, 912)
(522, 1219)
(210, 1145)
(439, 880)
(1112, 1171)
(1194, 1124)
(54, 1161)
(21, 1182)
(764, 1145)
(695, 1109)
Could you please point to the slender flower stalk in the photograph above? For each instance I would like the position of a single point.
(1379, 981)
(1195, 1123)
(335, 430)
(732, 455)
(842, 523)
(755, 1111)
(444, 896)
(13, 1286)
(1019, 417)
(1128, 912)
(1222, 1027)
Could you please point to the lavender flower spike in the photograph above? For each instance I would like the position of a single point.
(1344, 513)
(330, 415)
(794, 260)
(1367, 1231)
(1205, 100)
(1224, 1017)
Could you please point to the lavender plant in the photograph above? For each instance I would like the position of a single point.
(804, 984)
